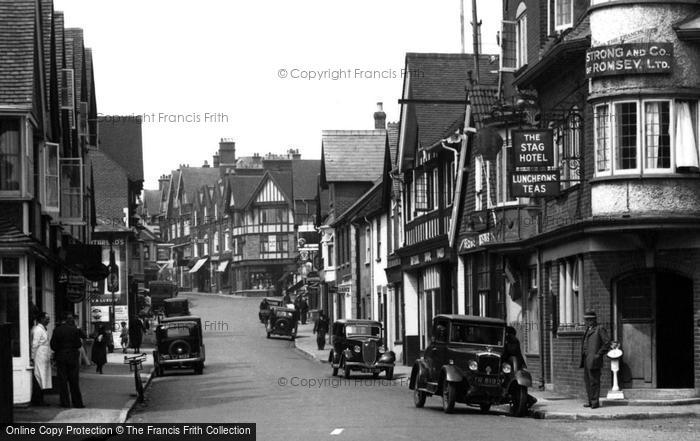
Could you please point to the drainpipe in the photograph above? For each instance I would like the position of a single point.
(371, 269)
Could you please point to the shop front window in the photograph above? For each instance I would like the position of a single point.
(9, 300)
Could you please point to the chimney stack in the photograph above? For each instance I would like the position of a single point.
(215, 160)
(227, 152)
(379, 118)
(206, 164)
(162, 181)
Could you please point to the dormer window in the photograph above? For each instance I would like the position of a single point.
(563, 14)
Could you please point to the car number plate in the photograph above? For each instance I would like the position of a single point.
(487, 381)
(369, 370)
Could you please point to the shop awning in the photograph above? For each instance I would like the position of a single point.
(222, 266)
(197, 266)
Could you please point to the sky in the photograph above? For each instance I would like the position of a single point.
(269, 74)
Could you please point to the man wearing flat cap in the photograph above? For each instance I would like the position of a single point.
(595, 344)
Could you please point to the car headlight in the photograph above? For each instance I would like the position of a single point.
(506, 368)
(382, 349)
(472, 365)
(356, 349)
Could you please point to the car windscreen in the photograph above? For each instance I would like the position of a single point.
(179, 329)
(477, 334)
(283, 313)
(368, 330)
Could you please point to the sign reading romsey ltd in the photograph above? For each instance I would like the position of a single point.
(533, 148)
(629, 59)
(534, 184)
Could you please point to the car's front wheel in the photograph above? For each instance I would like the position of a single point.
(198, 368)
(390, 373)
(485, 408)
(518, 404)
(449, 396)
(346, 369)
(419, 397)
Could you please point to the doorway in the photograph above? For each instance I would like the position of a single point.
(655, 328)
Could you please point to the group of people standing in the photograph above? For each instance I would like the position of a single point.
(65, 347)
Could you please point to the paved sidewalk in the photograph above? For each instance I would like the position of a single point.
(549, 405)
(108, 397)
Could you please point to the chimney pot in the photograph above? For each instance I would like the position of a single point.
(380, 117)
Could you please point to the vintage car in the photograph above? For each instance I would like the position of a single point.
(464, 364)
(265, 311)
(282, 321)
(179, 344)
(160, 290)
(177, 306)
(357, 346)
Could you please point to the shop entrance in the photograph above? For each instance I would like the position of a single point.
(655, 328)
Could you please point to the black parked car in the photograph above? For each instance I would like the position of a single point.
(265, 305)
(358, 346)
(179, 344)
(282, 321)
(463, 364)
(177, 306)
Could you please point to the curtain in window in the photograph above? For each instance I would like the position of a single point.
(686, 144)
(656, 132)
(9, 156)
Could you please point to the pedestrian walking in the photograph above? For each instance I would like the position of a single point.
(304, 309)
(512, 349)
(321, 329)
(124, 336)
(136, 331)
(594, 345)
(99, 348)
(286, 300)
(41, 359)
(66, 344)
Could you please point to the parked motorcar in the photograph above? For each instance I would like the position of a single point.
(357, 345)
(464, 364)
(160, 290)
(179, 344)
(265, 312)
(282, 321)
(177, 306)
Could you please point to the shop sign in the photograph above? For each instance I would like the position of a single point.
(485, 238)
(629, 59)
(467, 244)
(534, 184)
(163, 252)
(533, 148)
(99, 313)
(415, 260)
(105, 243)
(75, 289)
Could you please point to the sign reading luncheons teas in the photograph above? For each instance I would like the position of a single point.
(533, 148)
(534, 184)
(629, 59)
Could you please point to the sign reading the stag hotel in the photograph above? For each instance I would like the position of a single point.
(533, 148)
(629, 59)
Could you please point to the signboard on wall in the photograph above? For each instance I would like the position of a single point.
(533, 148)
(534, 184)
(163, 252)
(629, 59)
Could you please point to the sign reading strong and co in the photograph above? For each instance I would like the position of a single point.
(629, 59)
(533, 148)
(534, 184)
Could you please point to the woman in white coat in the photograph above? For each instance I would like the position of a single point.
(41, 357)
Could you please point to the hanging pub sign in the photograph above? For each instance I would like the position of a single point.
(629, 59)
(534, 184)
(163, 252)
(533, 148)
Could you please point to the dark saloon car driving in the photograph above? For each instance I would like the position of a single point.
(282, 321)
(463, 364)
(179, 344)
(358, 346)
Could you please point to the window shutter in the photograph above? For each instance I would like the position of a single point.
(508, 45)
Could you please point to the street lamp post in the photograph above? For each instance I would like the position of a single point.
(113, 280)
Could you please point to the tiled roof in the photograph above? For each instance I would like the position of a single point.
(17, 46)
(353, 155)
(120, 138)
(111, 186)
(368, 203)
(151, 202)
(482, 99)
(305, 173)
(46, 29)
(445, 76)
(242, 188)
(194, 178)
(74, 36)
(59, 30)
(436, 121)
(10, 234)
(284, 181)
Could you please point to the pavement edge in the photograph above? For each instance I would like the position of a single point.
(126, 410)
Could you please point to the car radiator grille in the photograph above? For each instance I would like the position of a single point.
(489, 363)
(369, 352)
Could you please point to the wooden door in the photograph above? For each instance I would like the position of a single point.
(635, 300)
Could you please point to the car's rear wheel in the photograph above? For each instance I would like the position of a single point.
(518, 404)
(485, 408)
(449, 396)
(375, 374)
(390, 373)
(419, 397)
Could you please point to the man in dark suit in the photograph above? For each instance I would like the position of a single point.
(594, 345)
(66, 345)
(321, 329)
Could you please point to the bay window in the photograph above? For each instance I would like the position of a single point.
(10, 300)
(50, 177)
(645, 136)
(71, 189)
(272, 216)
(424, 191)
(567, 142)
(273, 244)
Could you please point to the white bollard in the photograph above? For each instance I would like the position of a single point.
(615, 355)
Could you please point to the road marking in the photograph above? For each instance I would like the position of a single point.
(337, 431)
